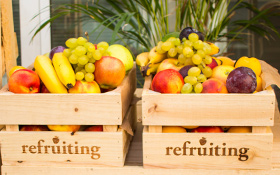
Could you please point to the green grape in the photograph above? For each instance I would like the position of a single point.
(188, 52)
(198, 45)
(187, 88)
(171, 39)
(80, 65)
(177, 42)
(83, 60)
(78, 69)
(158, 47)
(103, 45)
(71, 43)
(84, 71)
(91, 60)
(87, 44)
(193, 37)
(184, 39)
(201, 53)
(167, 45)
(201, 78)
(182, 59)
(207, 48)
(97, 55)
(81, 41)
(207, 59)
(190, 79)
(180, 49)
(79, 76)
(80, 50)
(172, 52)
(196, 59)
(187, 43)
(198, 88)
(194, 71)
(73, 59)
(102, 50)
(89, 67)
(89, 77)
(91, 48)
(89, 54)
(67, 52)
(207, 71)
(188, 61)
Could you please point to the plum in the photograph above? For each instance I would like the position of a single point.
(56, 50)
(241, 80)
(184, 70)
(188, 30)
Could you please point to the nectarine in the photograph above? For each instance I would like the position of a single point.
(214, 85)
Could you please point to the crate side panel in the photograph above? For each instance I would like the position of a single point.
(209, 109)
(62, 148)
(79, 109)
(207, 151)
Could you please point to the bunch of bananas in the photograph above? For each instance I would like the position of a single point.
(57, 74)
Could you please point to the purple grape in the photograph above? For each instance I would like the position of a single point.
(56, 50)
(187, 31)
(184, 70)
(241, 80)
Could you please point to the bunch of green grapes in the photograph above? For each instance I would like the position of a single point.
(82, 55)
(193, 82)
(191, 51)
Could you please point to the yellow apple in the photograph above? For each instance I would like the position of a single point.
(169, 63)
(221, 72)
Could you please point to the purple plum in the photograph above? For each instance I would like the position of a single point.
(56, 50)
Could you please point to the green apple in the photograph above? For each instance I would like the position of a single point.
(122, 53)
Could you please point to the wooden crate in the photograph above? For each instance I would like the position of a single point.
(207, 109)
(80, 109)
(82, 148)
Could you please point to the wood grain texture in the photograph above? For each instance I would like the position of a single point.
(165, 150)
(82, 109)
(207, 109)
(1, 56)
(155, 129)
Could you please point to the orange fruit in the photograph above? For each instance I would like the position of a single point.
(173, 129)
(226, 61)
(259, 84)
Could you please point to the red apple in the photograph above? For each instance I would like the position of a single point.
(109, 72)
(215, 129)
(169, 63)
(24, 81)
(85, 87)
(213, 64)
(95, 128)
(34, 128)
(168, 81)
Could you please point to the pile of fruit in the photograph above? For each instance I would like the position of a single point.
(82, 67)
(185, 64)
(206, 129)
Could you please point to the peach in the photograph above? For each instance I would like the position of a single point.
(169, 63)
(173, 129)
(34, 128)
(214, 85)
(213, 129)
(85, 87)
(95, 128)
(221, 72)
(168, 81)
(24, 81)
(240, 129)
(71, 128)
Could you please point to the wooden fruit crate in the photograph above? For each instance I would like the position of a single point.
(68, 109)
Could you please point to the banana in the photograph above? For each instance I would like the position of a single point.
(215, 49)
(64, 70)
(150, 69)
(47, 74)
(155, 57)
(142, 60)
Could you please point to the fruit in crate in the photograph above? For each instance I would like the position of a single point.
(214, 85)
(221, 72)
(85, 87)
(48, 75)
(15, 68)
(252, 63)
(24, 81)
(122, 53)
(109, 72)
(240, 129)
(241, 80)
(95, 128)
(213, 64)
(215, 49)
(54, 50)
(167, 81)
(72, 128)
(44, 88)
(34, 128)
(184, 70)
(173, 129)
(210, 129)
(169, 63)
(187, 31)
(225, 61)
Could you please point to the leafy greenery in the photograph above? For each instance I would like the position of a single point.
(147, 21)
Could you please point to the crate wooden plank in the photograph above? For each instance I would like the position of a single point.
(2, 72)
(82, 109)
(207, 109)
(207, 150)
